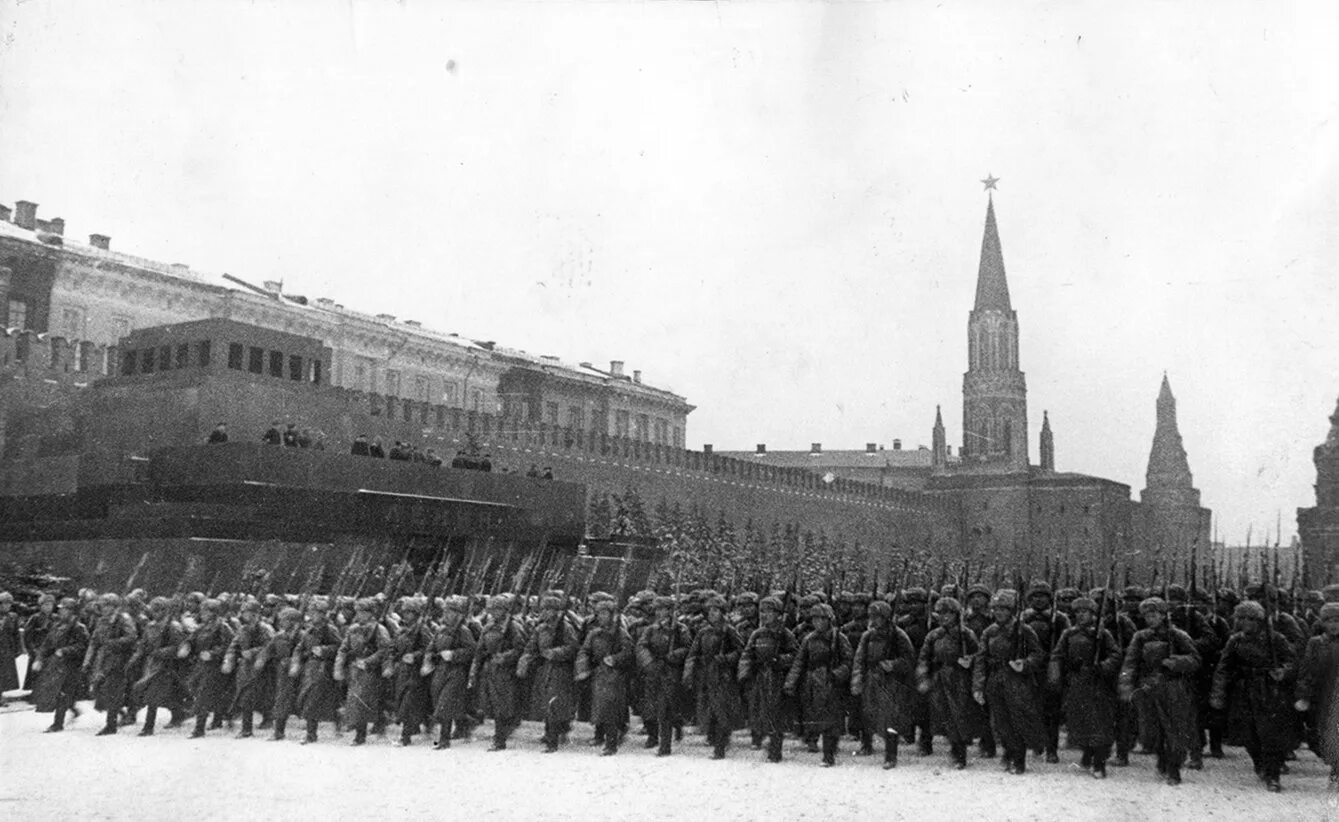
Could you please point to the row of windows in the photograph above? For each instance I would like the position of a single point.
(164, 358)
(257, 360)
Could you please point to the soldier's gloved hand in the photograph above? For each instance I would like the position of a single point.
(1217, 703)
(1017, 665)
(500, 658)
(1278, 674)
(447, 656)
(60, 652)
(608, 661)
(360, 664)
(1302, 705)
(318, 652)
(1167, 663)
(887, 665)
(979, 697)
(37, 666)
(205, 656)
(964, 662)
(182, 652)
(547, 653)
(923, 686)
(407, 659)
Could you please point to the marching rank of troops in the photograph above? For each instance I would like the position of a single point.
(1177, 675)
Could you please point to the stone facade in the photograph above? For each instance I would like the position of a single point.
(1319, 526)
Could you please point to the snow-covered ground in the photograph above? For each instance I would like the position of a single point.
(75, 775)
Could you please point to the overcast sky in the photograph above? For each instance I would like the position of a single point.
(771, 208)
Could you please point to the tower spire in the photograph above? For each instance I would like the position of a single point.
(992, 288)
(1047, 444)
(938, 443)
(1167, 464)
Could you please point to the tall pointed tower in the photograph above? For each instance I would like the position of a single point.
(1047, 444)
(1173, 525)
(1169, 480)
(994, 392)
(939, 445)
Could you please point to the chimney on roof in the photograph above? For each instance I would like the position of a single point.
(100, 241)
(871, 447)
(5, 211)
(897, 445)
(25, 215)
(180, 268)
(949, 451)
(706, 448)
(816, 448)
(616, 368)
(762, 448)
(273, 286)
(637, 377)
(386, 318)
(413, 323)
(325, 302)
(58, 226)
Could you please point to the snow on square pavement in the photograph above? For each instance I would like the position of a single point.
(75, 775)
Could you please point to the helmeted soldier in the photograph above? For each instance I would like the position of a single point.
(977, 618)
(110, 646)
(493, 670)
(1253, 683)
(447, 664)
(944, 674)
(1084, 665)
(160, 684)
(358, 663)
(314, 662)
(1317, 688)
(763, 667)
(854, 626)
(10, 645)
(59, 663)
(604, 661)
(661, 651)
(409, 692)
(252, 686)
(1004, 679)
(881, 678)
(1048, 623)
(915, 617)
(549, 659)
(819, 677)
(279, 661)
(1182, 614)
(711, 671)
(211, 688)
(1158, 666)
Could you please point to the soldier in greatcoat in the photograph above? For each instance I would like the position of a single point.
(10, 645)
(358, 664)
(661, 652)
(763, 667)
(944, 675)
(1253, 683)
(881, 678)
(1084, 666)
(160, 683)
(1317, 689)
(1159, 666)
(1048, 622)
(447, 664)
(409, 698)
(314, 662)
(819, 677)
(1004, 680)
(111, 643)
(711, 670)
(548, 661)
(211, 688)
(251, 686)
(278, 661)
(59, 662)
(604, 661)
(501, 642)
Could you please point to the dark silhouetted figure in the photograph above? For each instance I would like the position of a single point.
(218, 435)
(273, 436)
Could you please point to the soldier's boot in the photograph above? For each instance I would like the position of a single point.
(218, 721)
(407, 732)
(1216, 743)
(176, 720)
(150, 718)
(266, 721)
(359, 734)
(1122, 760)
(598, 738)
(1053, 740)
(1086, 761)
(811, 742)
(1020, 762)
(311, 732)
(443, 737)
(129, 719)
(652, 734)
(958, 752)
(987, 745)
(866, 744)
(1099, 766)
(774, 747)
(552, 736)
(678, 732)
(1173, 773)
(58, 721)
(755, 740)
(200, 721)
(1162, 764)
(1272, 783)
(829, 750)
(925, 740)
(1195, 761)
(720, 740)
(666, 746)
(1052, 756)
(113, 722)
(247, 729)
(889, 750)
(280, 725)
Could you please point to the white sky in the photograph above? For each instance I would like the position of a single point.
(771, 208)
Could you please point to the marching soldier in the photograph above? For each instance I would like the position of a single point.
(1253, 684)
(1048, 623)
(605, 658)
(409, 688)
(251, 685)
(1004, 680)
(1158, 666)
(819, 676)
(493, 670)
(1318, 688)
(278, 661)
(160, 685)
(881, 677)
(549, 658)
(661, 652)
(313, 661)
(447, 662)
(915, 620)
(1083, 669)
(34, 633)
(763, 667)
(59, 661)
(358, 665)
(854, 627)
(211, 686)
(1181, 614)
(112, 642)
(710, 670)
(945, 676)
(10, 645)
(977, 619)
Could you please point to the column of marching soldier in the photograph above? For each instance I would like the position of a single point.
(1170, 672)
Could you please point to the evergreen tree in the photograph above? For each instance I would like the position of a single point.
(600, 517)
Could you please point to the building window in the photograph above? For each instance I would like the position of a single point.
(183, 359)
(620, 423)
(120, 327)
(678, 437)
(81, 352)
(235, 356)
(360, 376)
(449, 394)
(256, 365)
(128, 361)
(476, 399)
(295, 368)
(642, 432)
(165, 358)
(392, 383)
(72, 321)
(202, 354)
(146, 361)
(576, 418)
(316, 372)
(18, 314)
(277, 364)
(551, 413)
(422, 390)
